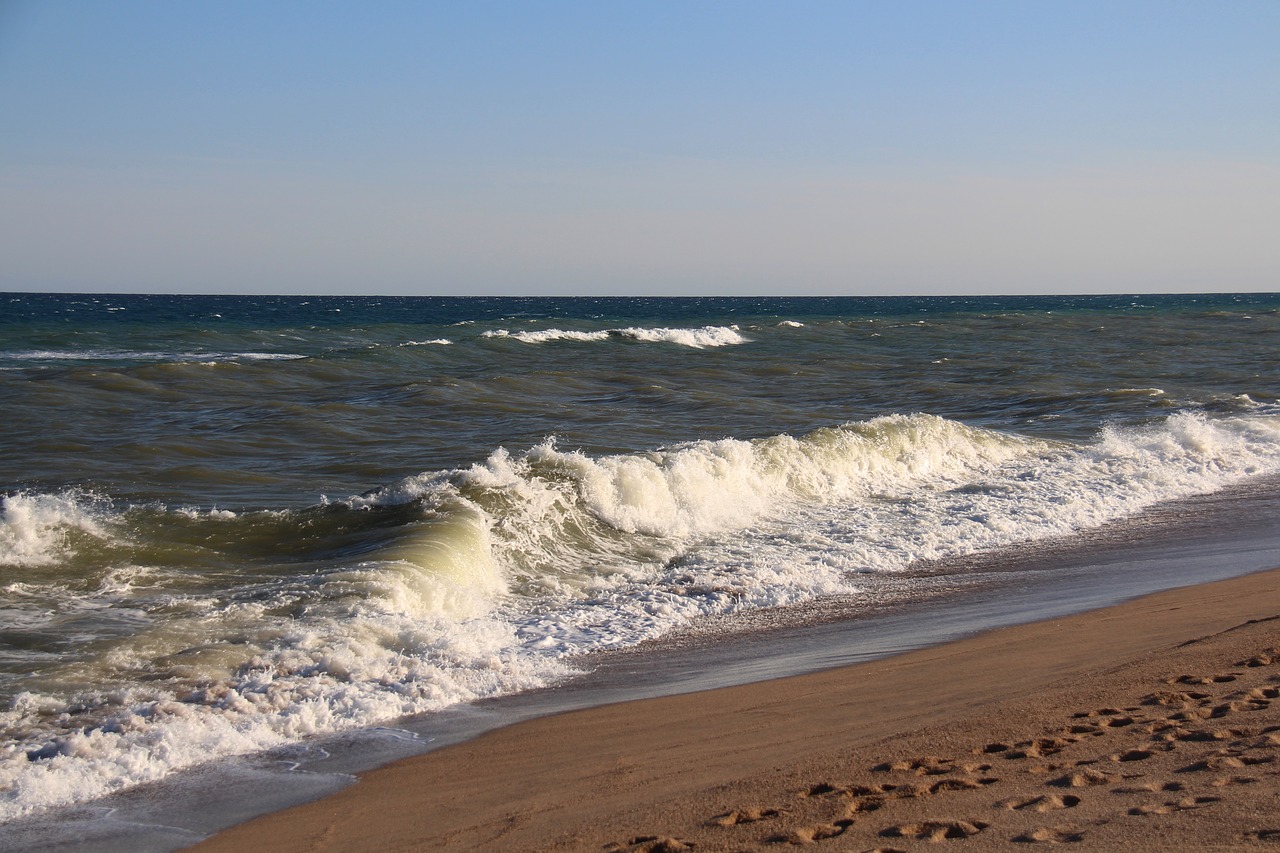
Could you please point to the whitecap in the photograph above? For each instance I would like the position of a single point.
(706, 336)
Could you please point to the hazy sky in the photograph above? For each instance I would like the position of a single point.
(647, 147)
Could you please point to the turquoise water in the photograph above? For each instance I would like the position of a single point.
(230, 523)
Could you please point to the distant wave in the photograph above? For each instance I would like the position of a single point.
(706, 336)
(145, 356)
(547, 335)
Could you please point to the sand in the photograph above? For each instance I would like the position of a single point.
(1151, 725)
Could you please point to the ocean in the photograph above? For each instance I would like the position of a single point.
(237, 525)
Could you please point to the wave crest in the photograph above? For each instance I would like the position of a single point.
(472, 582)
(707, 336)
(41, 529)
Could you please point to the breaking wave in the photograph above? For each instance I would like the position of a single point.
(707, 336)
(458, 584)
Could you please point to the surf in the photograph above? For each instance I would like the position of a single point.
(223, 632)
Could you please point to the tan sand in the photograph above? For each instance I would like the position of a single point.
(1152, 725)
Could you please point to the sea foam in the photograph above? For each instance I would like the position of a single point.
(39, 529)
(458, 584)
(707, 336)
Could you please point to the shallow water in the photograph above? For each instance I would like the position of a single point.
(236, 524)
(1185, 542)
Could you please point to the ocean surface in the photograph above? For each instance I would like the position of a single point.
(231, 524)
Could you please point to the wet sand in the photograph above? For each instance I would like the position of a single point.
(1149, 725)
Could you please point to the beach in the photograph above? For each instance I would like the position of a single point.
(253, 546)
(638, 427)
(1147, 725)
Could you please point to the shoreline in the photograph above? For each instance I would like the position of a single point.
(1192, 541)
(791, 759)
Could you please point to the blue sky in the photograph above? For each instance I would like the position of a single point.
(640, 147)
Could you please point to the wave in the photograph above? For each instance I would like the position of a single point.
(547, 335)
(248, 630)
(41, 529)
(145, 356)
(1135, 392)
(432, 342)
(707, 336)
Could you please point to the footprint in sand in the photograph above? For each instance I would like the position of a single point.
(1098, 721)
(1046, 803)
(935, 830)
(1084, 778)
(748, 815)
(888, 789)
(1224, 678)
(1183, 805)
(1206, 734)
(1220, 711)
(651, 844)
(961, 784)
(1166, 731)
(1224, 781)
(1191, 715)
(823, 789)
(868, 804)
(1050, 835)
(1150, 787)
(1270, 740)
(1100, 712)
(929, 765)
(1265, 658)
(1038, 748)
(1170, 698)
(1226, 760)
(810, 834)
(1263, 834)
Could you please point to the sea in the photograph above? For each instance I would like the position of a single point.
(241, 531)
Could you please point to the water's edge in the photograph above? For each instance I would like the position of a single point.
(1195, 541)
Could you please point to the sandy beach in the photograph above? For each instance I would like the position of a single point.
(1151, 725)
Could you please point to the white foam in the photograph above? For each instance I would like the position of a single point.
(518, 562)
(81, 355)
(325, 676)
(563, 519)
(406, 633)
(252, 356)
(547, 335)
(147, 356)
(1051, 493)
(707, 336)
(38, 529)
(1137, 392)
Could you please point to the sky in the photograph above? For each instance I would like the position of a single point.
(543, 147)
